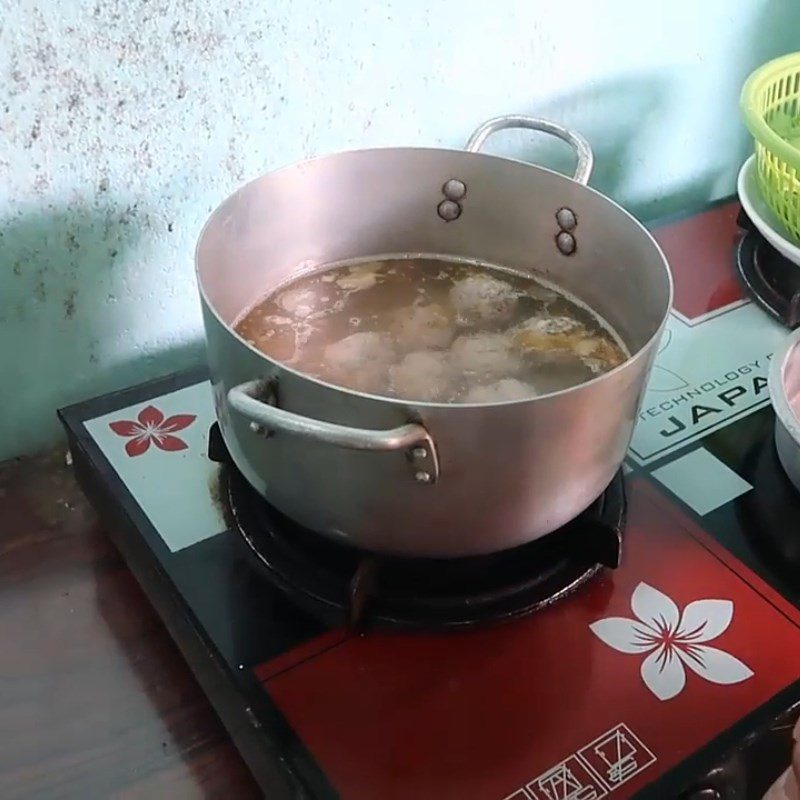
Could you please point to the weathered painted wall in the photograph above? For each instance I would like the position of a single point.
(124, 123)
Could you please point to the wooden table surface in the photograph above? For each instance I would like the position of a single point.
(95, 699)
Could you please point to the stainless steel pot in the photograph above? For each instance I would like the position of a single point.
(784, 391)
(428, 479)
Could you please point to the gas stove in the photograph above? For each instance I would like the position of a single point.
(770, 278)
(651, 649)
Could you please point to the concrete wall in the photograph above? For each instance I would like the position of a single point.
(124, 123)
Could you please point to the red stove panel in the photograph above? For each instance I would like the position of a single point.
(700, 252)
(598, 695)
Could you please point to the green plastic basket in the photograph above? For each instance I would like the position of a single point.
(770, 103)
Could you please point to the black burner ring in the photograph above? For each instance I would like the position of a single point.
(769, 278)
(347, 586)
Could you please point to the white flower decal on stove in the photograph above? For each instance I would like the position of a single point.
(673, 640)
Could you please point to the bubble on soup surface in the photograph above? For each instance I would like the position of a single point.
(359, 277)
(544, 329)
(482, 299)
(360, 360)
(425, 376)
(485, 354)
(419, 327)
(505, 389)
(298, 302)
(276, 320)
(542, 334)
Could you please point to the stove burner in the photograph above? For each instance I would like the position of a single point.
(348, 586)
(771, 279)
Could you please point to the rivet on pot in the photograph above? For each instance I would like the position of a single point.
(454, 189)
(566, 219)
(422, 476)
(419, 453)
(449, 210)
(566, 243)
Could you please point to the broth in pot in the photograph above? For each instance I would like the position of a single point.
(430, 329)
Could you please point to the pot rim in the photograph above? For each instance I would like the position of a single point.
(399, 402)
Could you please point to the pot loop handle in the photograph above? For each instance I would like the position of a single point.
(583, 171)
(256, 401)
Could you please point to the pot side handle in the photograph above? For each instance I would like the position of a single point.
(256, 401)
(583, 171)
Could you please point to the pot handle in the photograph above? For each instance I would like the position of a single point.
(256, 400)
(584, 152)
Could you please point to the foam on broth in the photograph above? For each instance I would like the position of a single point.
(432, 329)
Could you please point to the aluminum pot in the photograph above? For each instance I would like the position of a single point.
(784, 391)
(428, 479)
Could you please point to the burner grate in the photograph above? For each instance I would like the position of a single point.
(347, 586)
(771, 279)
